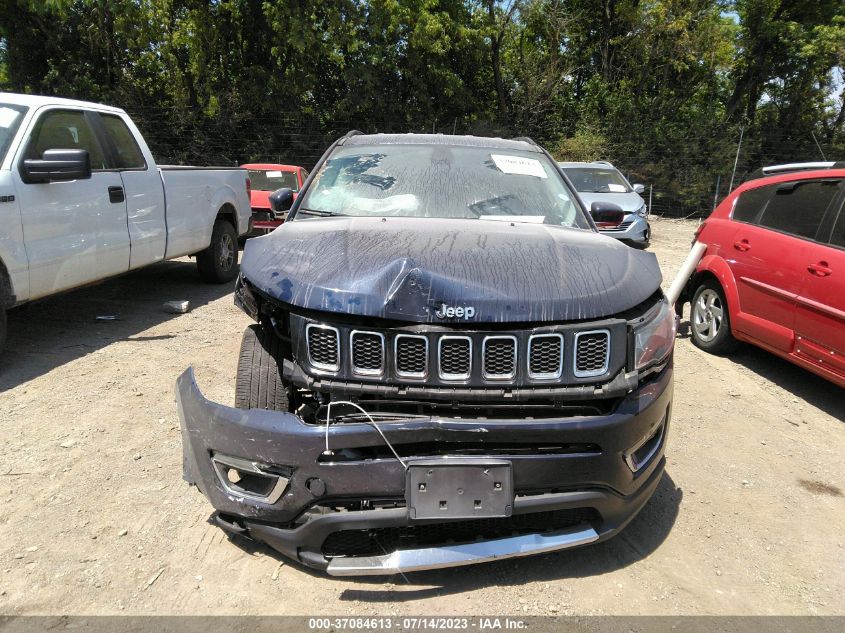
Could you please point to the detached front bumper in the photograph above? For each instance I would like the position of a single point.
(287, 492)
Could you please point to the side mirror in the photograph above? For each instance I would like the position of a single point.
(57, 165)
(281, 200)
(606, 213)
(639, 188)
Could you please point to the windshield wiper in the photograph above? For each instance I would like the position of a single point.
(319, 212)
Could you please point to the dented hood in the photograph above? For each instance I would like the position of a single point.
(409, 268)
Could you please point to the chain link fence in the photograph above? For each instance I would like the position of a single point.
(684, 179)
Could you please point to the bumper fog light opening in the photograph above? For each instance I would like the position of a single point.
(641, 454)
(248, 479)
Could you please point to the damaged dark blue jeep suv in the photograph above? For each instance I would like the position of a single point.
(450, 365)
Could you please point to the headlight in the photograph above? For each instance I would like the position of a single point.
(641, 211)
(654, 339)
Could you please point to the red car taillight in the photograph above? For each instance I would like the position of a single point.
(248, 186)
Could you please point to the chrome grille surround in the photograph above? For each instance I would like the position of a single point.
(538, 339)
(363, 355)
(448, 358)
(589, 352)
(493, 345)
(324, 352)
(413, 341)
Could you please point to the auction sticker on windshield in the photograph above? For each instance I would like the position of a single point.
(519, 165)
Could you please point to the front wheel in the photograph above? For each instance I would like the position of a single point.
(218, 263)
(710, 321)
(259, 384)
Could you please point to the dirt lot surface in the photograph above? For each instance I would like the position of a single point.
(96, 519)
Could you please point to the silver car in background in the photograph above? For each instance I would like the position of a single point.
(600, 182)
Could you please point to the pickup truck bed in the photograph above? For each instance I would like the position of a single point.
(82, 199)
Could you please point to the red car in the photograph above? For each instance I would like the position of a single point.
(774, 270)
(267, 178)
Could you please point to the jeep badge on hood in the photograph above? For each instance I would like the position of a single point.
(449, 312)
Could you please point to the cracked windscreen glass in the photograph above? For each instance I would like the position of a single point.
(437, 181)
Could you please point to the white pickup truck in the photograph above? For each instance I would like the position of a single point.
(81, 199)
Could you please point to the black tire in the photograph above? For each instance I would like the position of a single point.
(259, 384)
(218, 263)
(709, 311)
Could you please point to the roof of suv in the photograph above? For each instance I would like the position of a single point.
(791, 168)
(787, 176)
(440, 139)
(596, 163)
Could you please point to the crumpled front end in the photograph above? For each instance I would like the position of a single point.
(351, 498)
(405, 269)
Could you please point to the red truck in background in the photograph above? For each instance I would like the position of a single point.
(267, 178)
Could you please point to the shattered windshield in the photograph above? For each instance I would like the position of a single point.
(441, 181)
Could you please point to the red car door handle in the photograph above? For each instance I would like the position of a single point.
(820, 270)
(742, 245)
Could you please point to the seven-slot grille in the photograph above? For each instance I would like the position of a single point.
(545, 356)
(455, 357)
(499, 356)
(591, 352)
(323, 344)
(367, 353)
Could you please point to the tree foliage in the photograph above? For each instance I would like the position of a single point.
(660, 87)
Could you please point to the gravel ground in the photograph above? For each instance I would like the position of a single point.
(95, 518)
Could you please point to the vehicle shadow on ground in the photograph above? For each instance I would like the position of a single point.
(639, 539)
(48, 333)
(802, 384)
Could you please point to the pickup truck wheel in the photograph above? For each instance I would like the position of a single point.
(710, 321)
(259, 384)
(218, 263)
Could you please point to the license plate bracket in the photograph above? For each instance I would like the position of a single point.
(459, 489)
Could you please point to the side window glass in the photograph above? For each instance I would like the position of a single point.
(750, 203)
(65, 129)
(838, 237)
(798, 208)
(129, 155)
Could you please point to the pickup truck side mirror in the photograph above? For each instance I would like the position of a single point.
(281, 200)
(639, 188)
(57, 164)
(606, 213)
